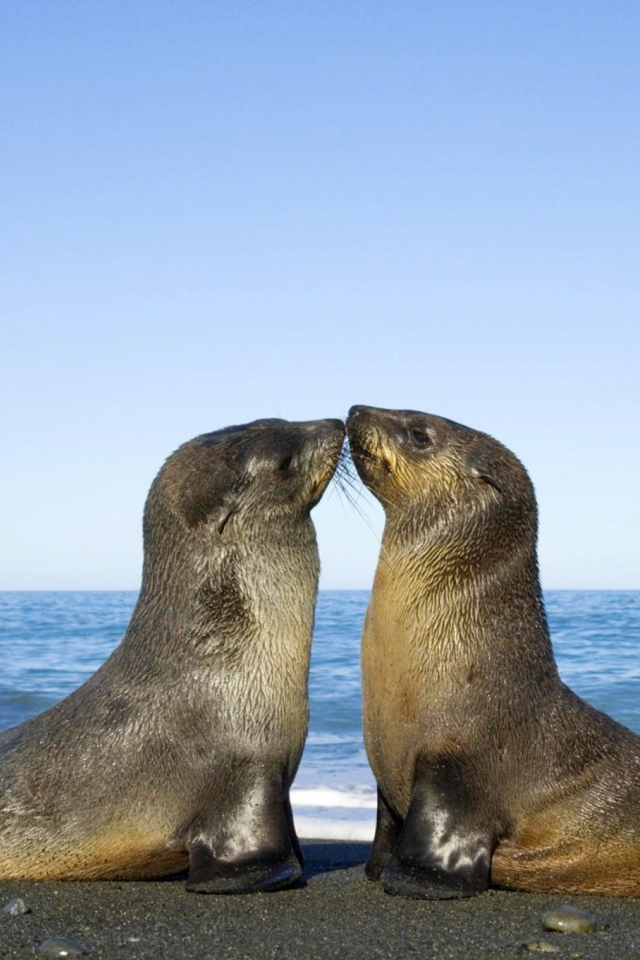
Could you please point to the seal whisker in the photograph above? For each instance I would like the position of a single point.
(351, 487)
(350, 496)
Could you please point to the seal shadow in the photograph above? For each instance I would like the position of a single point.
(327, 856)
(320, 856)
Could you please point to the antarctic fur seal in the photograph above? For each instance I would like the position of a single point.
(181, 749)
(489, 769)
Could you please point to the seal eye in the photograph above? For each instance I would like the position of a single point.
(420, 438)
(286, 463)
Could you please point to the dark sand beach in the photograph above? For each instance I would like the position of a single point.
(336, 913)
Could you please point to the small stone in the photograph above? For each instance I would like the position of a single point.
(16, 908)
(540, 946)
(569, 919)
(61, 947)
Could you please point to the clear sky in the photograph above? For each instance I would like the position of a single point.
(218, 211)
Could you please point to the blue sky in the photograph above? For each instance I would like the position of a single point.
(218, 211)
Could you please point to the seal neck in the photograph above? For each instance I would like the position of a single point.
(458, 615)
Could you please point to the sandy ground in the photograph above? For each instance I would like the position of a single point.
(337, 913)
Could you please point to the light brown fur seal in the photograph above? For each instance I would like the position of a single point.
(489, 769)
(181, 749)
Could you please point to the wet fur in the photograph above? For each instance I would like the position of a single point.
(489, 768)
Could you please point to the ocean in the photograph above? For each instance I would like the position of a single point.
(51, 642)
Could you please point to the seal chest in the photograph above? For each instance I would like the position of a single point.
(489, 769)
(181, 750)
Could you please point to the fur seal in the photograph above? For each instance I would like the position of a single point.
(181, 749)
(489, 769)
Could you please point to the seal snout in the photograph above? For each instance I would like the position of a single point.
(364, 428)
(359, 423)
(366, 443)
(335, 424)
(358, 410)
(326, 440)
(329, 432)
(333, 429)
(322, 450)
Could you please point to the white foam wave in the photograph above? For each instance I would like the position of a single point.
(334, 813)
(363, 798)
(319, 828)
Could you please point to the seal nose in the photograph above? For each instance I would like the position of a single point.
(334, 430)
(358, 410)
(335, 424)
(328, 427)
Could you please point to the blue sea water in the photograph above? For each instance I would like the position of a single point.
(51, 642)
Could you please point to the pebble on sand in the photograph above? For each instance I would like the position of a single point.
(61, 947)
(568, 919)
(15, 908)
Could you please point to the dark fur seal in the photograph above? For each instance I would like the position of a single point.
(489, 769)
(180, 751)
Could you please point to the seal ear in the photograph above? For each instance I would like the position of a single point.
(481, 468)
(214, 509)
(224, 515)
(208, 495)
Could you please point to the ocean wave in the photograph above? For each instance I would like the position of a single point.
(320, 828)
(360, 797)
(330, 813)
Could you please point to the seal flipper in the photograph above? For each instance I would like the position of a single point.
(388, 826)
(446, 844)
(253, 853)
(257, 872)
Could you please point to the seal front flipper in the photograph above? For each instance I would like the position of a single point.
(445, 846)
(253, 852)
(388, 826)
(255, 872)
